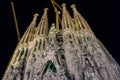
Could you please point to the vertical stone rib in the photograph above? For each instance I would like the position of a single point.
(67, 21)
(29, 30)
(43, 25)
(74, 52)
(79, 20)
(42, 29)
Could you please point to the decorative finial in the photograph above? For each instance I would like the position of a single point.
(63, 5)
(73, 6)
(46, 9)
(35, 16)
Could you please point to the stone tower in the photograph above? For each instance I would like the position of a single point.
(73, 53)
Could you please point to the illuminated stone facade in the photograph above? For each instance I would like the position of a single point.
(73, 53)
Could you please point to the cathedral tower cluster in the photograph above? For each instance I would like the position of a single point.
(73, 53)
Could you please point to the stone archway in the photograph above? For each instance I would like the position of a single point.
(49, 71)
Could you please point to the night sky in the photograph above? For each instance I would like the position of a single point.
(101, 16)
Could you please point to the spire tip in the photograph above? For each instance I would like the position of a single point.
(36, 15)
(46, 9)
(63, 5)
(73, 6)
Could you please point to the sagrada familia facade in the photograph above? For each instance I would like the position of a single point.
(72, 53)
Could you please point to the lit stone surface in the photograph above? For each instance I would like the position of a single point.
(74, 53)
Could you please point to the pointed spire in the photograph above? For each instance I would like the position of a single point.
(42, 30)
(43, 24)
(35, 16)
(64, 7)
(29, 32)
(80, 22)
(66, 18)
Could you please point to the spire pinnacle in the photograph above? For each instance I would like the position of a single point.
(66, 18)
(79, 20)
(64, 6)
(73, 6)
(46, 10)
(29, 32)
(35, 16)
(43, 24)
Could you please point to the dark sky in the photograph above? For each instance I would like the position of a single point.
(101, 16)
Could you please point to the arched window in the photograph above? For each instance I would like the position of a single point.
(50, 67)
